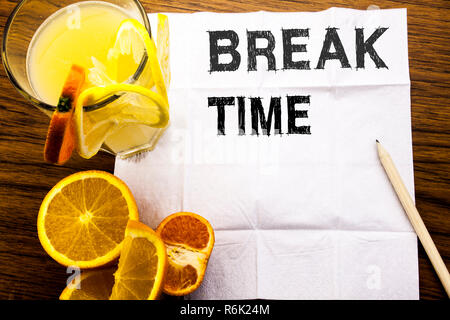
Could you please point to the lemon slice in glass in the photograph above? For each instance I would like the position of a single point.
(144, 102)
(132, 44)
(92, 128)
(162, 49)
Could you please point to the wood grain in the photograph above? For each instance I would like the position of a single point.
(26, 272)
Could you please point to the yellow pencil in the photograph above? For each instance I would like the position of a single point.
(414, 217)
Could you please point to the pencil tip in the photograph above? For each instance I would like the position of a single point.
(377, 141)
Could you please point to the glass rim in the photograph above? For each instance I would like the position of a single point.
(45, 106)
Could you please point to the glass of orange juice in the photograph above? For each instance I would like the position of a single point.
(43, 39)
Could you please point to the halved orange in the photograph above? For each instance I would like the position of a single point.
(82, 219)
(91, 285)
(142, 265)
(189, 240)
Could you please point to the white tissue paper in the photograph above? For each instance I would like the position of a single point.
(296, 216)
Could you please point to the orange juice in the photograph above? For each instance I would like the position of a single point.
(72, 35)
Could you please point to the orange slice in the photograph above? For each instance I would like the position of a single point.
(142, 265)
(82, 220)
(61, 131)
(91, 285)
(189, 240)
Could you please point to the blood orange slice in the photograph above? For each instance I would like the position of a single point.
(189, 240)
(61, 131)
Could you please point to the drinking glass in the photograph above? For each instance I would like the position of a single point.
(22, 24)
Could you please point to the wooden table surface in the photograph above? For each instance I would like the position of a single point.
(27, 272)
